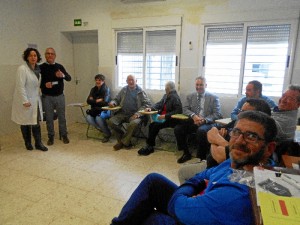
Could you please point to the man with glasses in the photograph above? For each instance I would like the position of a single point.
(157, 200)
(253, 90)
(219, 139)
(285, 116)
(52, 86)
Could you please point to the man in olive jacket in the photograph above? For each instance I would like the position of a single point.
(131, 99)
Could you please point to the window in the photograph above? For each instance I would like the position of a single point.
(150, 55)
(235, 55)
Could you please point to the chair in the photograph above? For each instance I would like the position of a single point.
(82, 107)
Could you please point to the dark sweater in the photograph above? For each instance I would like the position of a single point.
(48, 75)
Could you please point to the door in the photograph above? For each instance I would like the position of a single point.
(85, 61)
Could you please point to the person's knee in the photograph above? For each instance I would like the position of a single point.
(153, 176)
(178, 130)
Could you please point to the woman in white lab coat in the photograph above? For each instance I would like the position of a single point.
(26, 106)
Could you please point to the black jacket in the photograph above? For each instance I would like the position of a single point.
(173, 104)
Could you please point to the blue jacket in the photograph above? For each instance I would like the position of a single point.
(224, 202)
(241, 102)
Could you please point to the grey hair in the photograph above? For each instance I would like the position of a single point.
(295, 87)
(201, 78)
(171, 85)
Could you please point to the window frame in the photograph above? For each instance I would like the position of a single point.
(144, 30)
(291, 49)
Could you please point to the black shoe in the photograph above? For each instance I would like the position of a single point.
(146, 150)
(118, 146)
(105, 139)
(41, 147)
(65, 139)
(29, 146)
(128, 147)
(185, 157)
(50, 141)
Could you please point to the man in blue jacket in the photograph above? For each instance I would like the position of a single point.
(253, 90)
(158, 200)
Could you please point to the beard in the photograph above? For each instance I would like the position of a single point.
(253, 159)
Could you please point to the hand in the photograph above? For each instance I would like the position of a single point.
(59, 74)
(48, 85)
(27, 104)
(99, 100)
(111, 105)
(134, 116)
(223, 132)
(147, 110)
(161, 117)
(214, 137)
(198, 120)
(212, 134)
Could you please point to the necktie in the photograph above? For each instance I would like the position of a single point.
(199, 103)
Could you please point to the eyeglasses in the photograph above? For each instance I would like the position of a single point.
(249, 137)
(50, 53)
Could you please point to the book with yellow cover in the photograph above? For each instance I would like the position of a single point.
(277, 209)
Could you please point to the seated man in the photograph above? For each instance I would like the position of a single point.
(132, 99)
(253, 90)
(285, 116)
(169, 105)
(99, 96)
(219, 138)
(157, 200)
(202, 108)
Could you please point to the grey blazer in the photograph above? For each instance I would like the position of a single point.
(212, 107)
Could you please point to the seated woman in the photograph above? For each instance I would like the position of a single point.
(99, 96)
(169, 105)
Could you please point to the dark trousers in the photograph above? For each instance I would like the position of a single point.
(188, 127)
(155, 127)
(148, 204)
(51, 103)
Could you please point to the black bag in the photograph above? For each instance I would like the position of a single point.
(94, 111)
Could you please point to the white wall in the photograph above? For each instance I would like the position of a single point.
(42, 22)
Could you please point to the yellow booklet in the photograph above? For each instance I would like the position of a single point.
(279, 209)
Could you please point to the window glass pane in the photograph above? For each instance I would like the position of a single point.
(160, 58)
(223, 59)
(266, 57)
(130, 56)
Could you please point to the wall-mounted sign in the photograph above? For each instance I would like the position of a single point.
(77, 22)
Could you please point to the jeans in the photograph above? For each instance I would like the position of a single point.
(99, 123)
(148, 204)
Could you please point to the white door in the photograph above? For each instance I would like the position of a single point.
(85, 56)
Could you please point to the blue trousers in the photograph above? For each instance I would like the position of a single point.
(148, 204)
(99, 123)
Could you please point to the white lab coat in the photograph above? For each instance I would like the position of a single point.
(27, 90)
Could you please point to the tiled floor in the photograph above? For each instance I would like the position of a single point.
(84, 182)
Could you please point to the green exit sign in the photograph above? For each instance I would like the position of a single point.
(77, 22)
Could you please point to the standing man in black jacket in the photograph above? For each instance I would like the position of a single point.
(52, 86)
